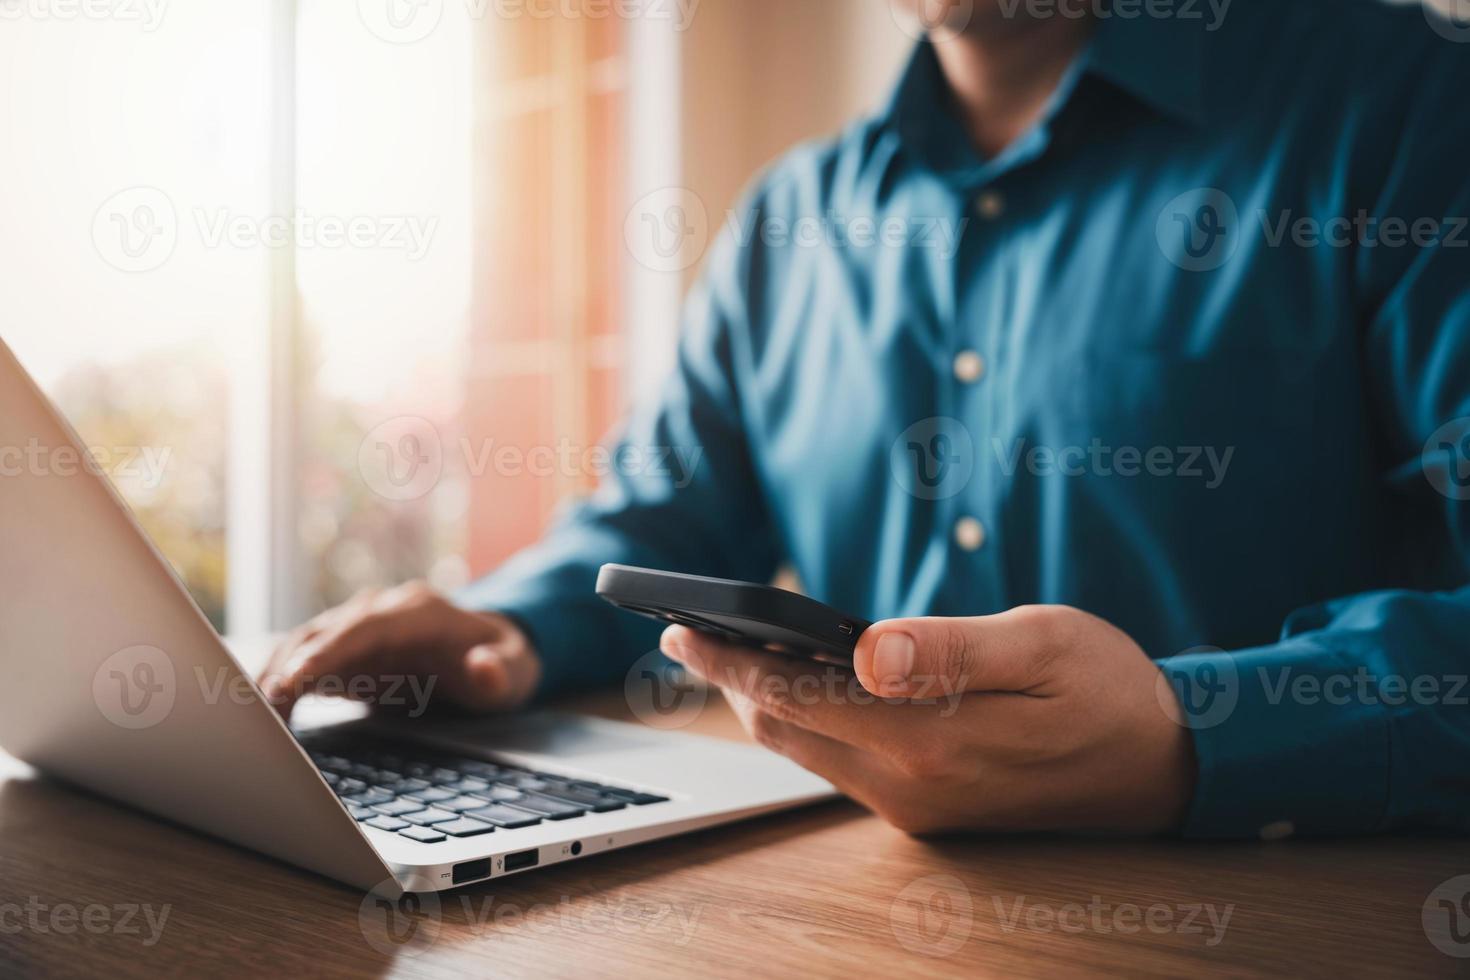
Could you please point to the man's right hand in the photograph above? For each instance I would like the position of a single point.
(480, 661)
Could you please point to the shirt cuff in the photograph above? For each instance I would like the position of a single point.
(1282, 743)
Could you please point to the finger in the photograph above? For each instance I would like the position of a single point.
(818, 699)
(855, 773)
(938, 655)
(493, 677)
(394, 640)
(272, 679)
(286, 650)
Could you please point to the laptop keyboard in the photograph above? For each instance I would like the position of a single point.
(429, 797)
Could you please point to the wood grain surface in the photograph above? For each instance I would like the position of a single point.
(88, 888)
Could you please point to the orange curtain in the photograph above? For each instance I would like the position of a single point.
(546, 341)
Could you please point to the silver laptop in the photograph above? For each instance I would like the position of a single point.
(115, 681)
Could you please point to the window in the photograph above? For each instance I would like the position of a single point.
(117, 295)
(339, 281)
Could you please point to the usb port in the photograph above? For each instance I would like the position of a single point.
(471, 871)
(522, 859)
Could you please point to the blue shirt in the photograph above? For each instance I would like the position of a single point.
(1188, 355)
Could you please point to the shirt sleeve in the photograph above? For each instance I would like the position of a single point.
(682, 495)
(1358, 718)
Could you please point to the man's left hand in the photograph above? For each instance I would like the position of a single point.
(1038, 718)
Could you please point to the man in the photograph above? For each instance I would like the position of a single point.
(1194, 379)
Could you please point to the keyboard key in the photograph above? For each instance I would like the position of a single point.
(505, 816)
(362, 812)
(432, 795)
(461, 803)
(502, 794)
(524, 781)
(386, 823)
(371, 797)
(424, 835)
(477, 768)
(411, 785)
(398, 808)
(595, 802)
(597, 788)
(349, 787)
(468, 785)
(430, 816)
(463, 827)
(549, 808)
(443, 776)
(636, 798)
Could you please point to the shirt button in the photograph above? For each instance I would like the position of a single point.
(991, 205)
(969, 534)
(968, 366)
(1279, 830)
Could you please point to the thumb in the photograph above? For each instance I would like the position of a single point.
(934, 656)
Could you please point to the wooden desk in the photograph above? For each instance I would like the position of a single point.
(828, 891)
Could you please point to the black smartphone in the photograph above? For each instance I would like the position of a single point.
(760, 616)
